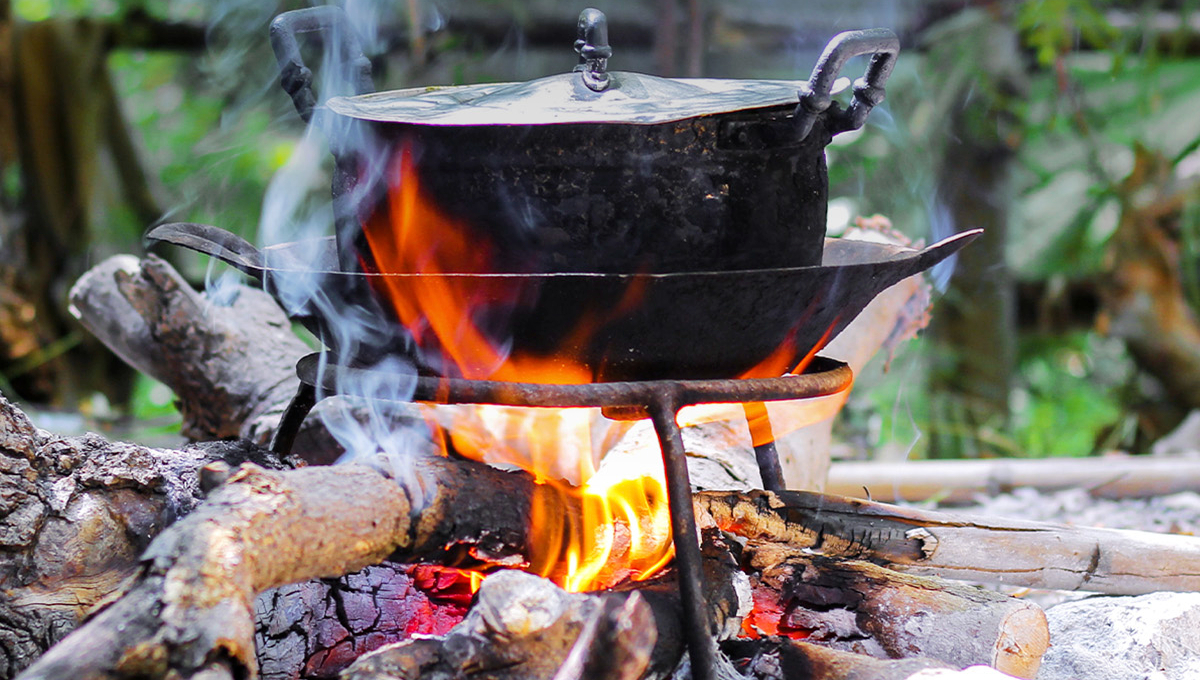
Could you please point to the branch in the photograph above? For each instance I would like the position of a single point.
(958, 481)
(233, 378)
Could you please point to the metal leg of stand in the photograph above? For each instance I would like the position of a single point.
(766, 454)
(293, 418)
(701, 644)
(768, 466)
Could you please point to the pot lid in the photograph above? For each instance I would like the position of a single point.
(591, 94)
(565, 98)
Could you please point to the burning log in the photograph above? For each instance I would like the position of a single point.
(526, 627)
(191, 603)
(861, 607)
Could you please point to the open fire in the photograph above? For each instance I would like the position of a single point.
(622, 529)
(659, 253)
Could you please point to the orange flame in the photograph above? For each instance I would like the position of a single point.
(613, 525)
(609, 523)
(414, 237)
(769, 421)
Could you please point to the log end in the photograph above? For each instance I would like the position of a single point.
(1025, 638)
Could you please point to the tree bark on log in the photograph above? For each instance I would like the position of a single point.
(233, 368)
(76, 513)
(192, 603)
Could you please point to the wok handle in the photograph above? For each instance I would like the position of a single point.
(815, 95)
(215, 242)
(295, 77)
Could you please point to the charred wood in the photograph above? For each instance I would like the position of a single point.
(524, 626)
(315, 629)
(987, 549)
(860, 607)
(77, 511)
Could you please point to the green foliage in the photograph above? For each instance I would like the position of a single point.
(1069, 399)
(1056, 27)
(40, 10)
(213, 168)
(153, 400)
(1079, 147)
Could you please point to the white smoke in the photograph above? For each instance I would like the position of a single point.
(368, 417)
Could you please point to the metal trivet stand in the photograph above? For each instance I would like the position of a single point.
(658, 400)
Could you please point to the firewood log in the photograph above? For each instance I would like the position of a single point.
(192, 601)
(232, 367)
(987, 549)
(860, 607)
(781, 658)
(958, 481)
(77, 511)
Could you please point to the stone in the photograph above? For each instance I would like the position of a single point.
(1148, 637)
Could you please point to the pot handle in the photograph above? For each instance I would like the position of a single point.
(815, 95)
(295, 77)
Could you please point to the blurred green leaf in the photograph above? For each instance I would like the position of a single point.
(1055, 27)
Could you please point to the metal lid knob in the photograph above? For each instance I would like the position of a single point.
(594, 50)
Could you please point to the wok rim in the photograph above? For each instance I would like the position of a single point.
(893, 253)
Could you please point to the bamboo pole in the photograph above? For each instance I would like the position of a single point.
(958, 481)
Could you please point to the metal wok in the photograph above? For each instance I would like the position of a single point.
(685, 325)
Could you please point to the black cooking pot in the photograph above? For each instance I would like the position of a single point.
(592, 171)
(680, 222)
